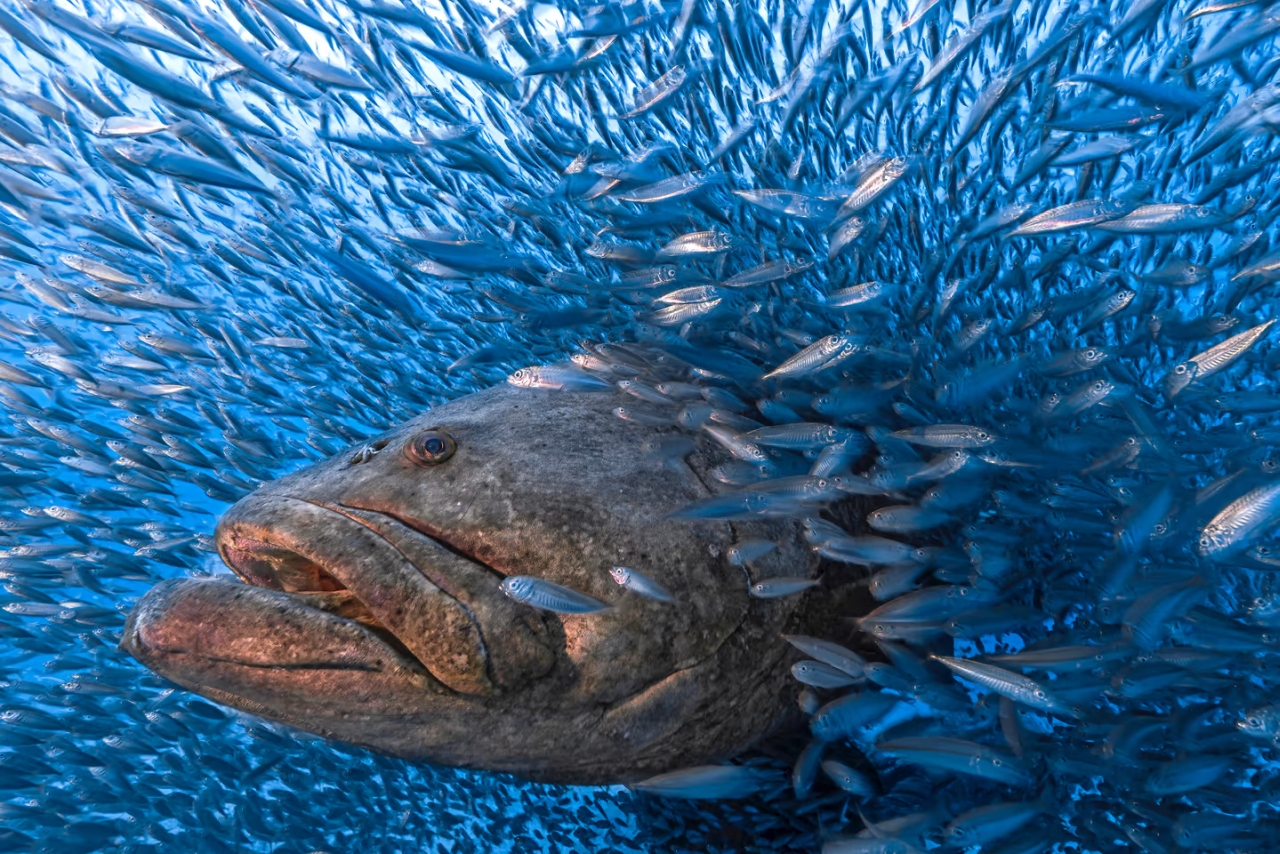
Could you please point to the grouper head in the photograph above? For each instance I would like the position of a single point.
(371, 610)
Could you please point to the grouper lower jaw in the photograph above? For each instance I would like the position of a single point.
(272, 650)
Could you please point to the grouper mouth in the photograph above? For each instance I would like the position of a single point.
(329, 586)
(274, 567)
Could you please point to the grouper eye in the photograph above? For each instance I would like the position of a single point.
(431, 448)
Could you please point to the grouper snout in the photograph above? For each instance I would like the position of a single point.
(370, 609)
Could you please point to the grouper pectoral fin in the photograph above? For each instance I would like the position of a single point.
(657, 711)
(437, 629)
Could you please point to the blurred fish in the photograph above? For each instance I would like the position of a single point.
(706, 781)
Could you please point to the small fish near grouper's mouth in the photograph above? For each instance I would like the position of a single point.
(373, 610)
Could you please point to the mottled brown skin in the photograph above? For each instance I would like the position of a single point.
(373, 614)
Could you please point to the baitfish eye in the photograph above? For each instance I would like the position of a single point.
(431, 448)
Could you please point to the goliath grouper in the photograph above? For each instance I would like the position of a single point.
(373, 613)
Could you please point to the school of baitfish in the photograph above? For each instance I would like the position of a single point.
(1009, 269)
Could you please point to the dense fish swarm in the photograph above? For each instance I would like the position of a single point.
(1007, 268)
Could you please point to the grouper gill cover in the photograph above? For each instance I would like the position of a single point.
(937, 336)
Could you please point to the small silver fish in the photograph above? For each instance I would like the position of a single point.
(1217, 358)
(1006, 683)
(557, 377)
(1262, 722)
(986, 824)
(851, 714)
(852, 781)
(763, 274)
(738, 445)
(820, 675)
(646, 417)
(827, 652)
(822, 353)
(1186, 774)
(946, 436)
(865, 550)
(798, 437)
(805, 771)
(667, 189)
(743, 553)
(906, 518)
(697, 244)
(835, 458)
(549, 596)
(860, 296)
(638, 583)
(773, 588)
(895, 580)
(704, 781)
(959, 756)
(1239, 521)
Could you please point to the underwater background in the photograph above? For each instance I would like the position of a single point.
(1026, 250)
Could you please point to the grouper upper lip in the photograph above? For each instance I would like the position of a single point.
(401, 578)
(258, 564)
(369, 567)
